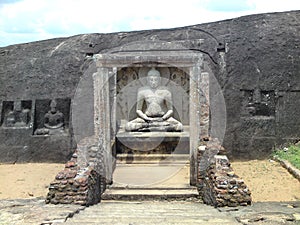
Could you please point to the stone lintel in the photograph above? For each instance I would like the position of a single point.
(140, 59)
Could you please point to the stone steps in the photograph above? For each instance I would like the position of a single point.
(163, 177)
(142, 194)
(150, 182)
(151, 212)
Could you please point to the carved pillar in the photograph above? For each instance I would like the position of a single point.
(204, 104)
(102, 118)
(195, 116)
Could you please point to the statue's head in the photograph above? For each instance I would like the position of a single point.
(18, 106)
(153, 78)
(53, 106)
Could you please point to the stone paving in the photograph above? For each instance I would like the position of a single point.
(35, 211)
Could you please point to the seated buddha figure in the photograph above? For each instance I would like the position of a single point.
(158, 112)
(54, 119)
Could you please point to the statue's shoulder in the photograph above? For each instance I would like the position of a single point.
(47, 114)
(143, 89)
(60, 113)
(164, 89)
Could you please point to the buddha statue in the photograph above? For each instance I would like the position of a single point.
(157, 115)
(54, 119)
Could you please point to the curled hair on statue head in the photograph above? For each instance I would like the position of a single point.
(153, 72)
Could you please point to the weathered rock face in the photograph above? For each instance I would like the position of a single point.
(254, 58)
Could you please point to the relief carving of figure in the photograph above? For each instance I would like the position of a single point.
(53, 121)
(126, 80)
(18, 117)
(181, 80)
(157, 115)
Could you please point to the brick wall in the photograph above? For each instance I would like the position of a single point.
(222, 187)
(77, 184)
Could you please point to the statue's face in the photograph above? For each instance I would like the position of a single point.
(153, 81)
(53, 110)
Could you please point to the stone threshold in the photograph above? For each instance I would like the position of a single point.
(153, 159)
(178, 186)
(150, 194)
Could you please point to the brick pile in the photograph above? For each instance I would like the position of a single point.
(222, 187)
(206, 151)
(76, 186)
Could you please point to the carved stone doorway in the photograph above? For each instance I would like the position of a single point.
(119, 75)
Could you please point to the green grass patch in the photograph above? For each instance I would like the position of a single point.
(291, 154)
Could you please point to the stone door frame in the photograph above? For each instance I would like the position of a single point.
(105, 96)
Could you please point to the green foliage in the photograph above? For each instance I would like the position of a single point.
(291, 154)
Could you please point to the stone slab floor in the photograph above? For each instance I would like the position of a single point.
(35, 211)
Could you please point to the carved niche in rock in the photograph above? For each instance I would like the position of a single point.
(16, 113)
(258, 103)
(52, 121)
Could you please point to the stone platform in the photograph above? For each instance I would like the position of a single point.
(153, 142)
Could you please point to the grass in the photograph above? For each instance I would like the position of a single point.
(291, 154)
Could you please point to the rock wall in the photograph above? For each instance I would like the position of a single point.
(255, 60)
